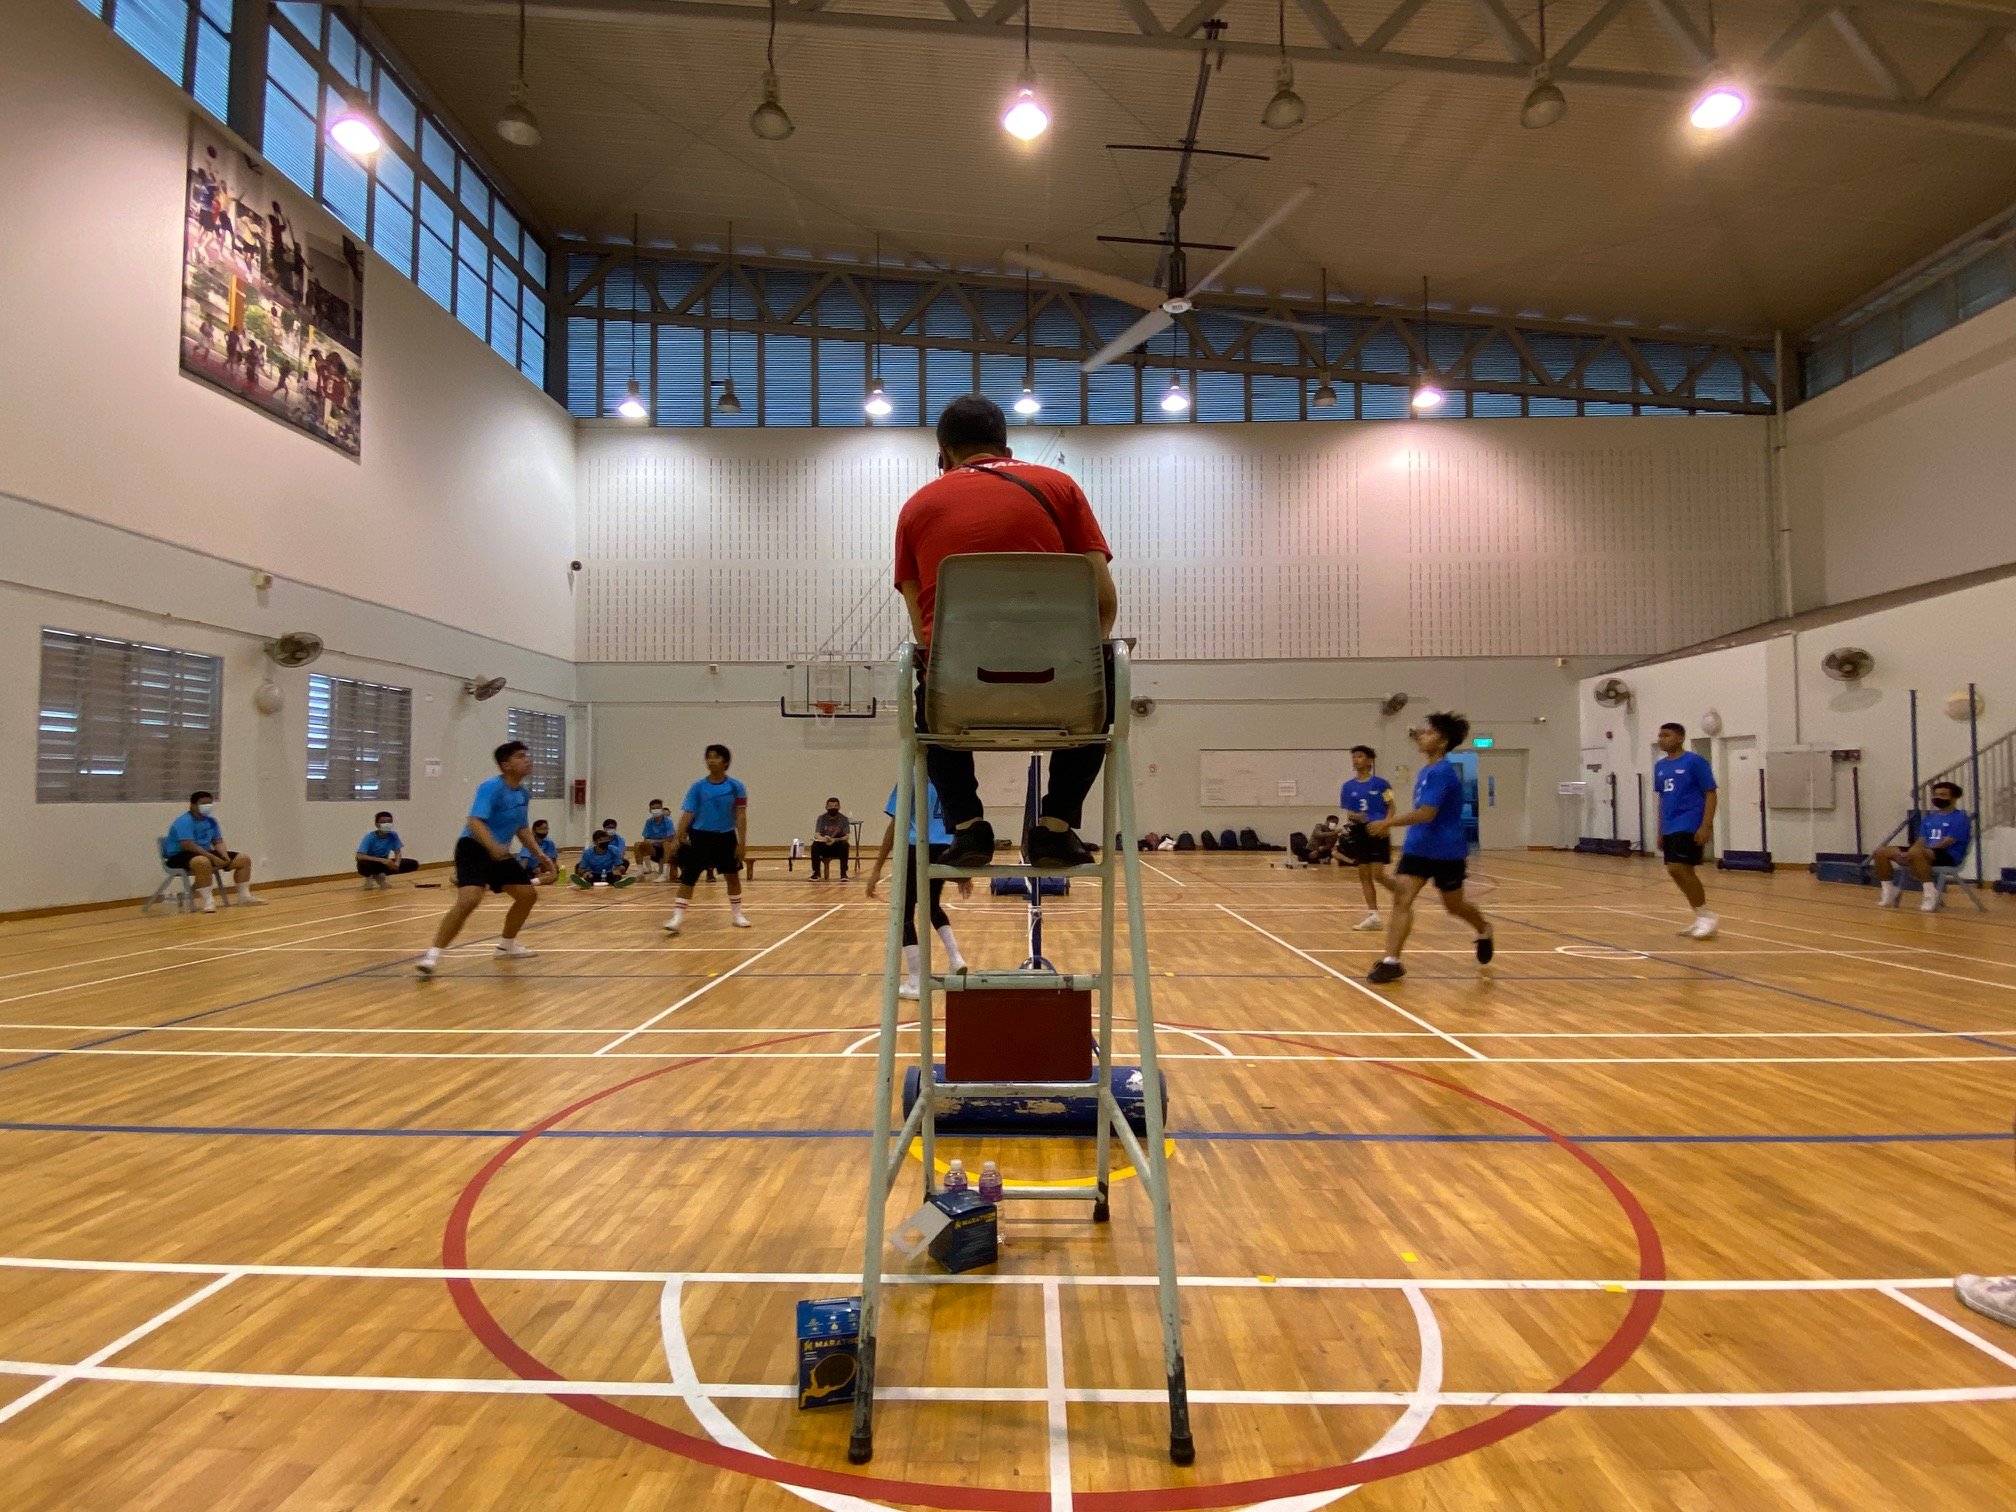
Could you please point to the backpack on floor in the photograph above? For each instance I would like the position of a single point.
(1298, 844)
(1186, 841)
(1228, 840)
(1210, 841)
(1249, 839)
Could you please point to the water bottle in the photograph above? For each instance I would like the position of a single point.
(990, 1181)
(955, 1176)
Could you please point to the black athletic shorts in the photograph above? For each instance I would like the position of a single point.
(1446, 875)
(476, 867)
(1680, 848)
(180, 861)
(1359, 848)
(1945, 857)
(705, 851)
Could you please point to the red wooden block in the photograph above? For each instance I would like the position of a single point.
(1018, 1036)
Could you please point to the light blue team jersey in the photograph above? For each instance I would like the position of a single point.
(1369, 798)
(381, 846)
(198, 827)
(531, 863)
(594, 863)
(616, 842)
(501, 807)
(940, 835)
(713, 804)
(658, 827)
(1683, 783)
(1439, 786)
(1948, 829)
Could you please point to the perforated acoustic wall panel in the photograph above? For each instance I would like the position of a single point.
(1231, 543)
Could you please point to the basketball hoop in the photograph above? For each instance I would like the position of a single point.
(825, 711)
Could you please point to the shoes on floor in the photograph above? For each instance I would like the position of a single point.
(1487, 946)
(513, 951)
(623, 882)
(1931, 901)
(1704, 928)
(672, 925)
(1386, 971)
(1891, 896)
(740, 920)
(426, 965)
(909, 988)
(1370, 922)
(1991, 1296)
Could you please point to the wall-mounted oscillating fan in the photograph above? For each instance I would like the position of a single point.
(1612, 692)
(296, 648)
(1142, 707)
(1392, 704)
(481, 688)
(1848, 664)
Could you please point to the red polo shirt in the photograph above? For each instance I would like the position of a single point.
(967, 510)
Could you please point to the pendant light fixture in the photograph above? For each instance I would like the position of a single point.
(1721, 101)
(1428, 396)
(1174, 400)
(1286, 108)
(518, 125)
(353, 127)
(730, 403)
(877, 402)
(1026, 117)
(1325, 396)
(768, 120)
(632, 406)
(1545, 104)
(1028, 404)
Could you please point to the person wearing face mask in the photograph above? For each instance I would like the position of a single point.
(1944, 834)
(382, 854)
(654, 846)
(830, 833)
(601, 862)
(195, 844)
(617, 843)
(541, 865)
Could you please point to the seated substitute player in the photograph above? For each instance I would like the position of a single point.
(540, 871)
(617, 843)
(382, 853)
(941, 923)
(1944, 834)
(1366, 797)
(1685, 784)
(654, 845)
(713, 829)
(1437, 847)
(1323, 841)
(830, 833)
(483, 860)
(195, 844)
(601, 862)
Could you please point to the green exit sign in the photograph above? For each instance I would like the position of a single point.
(1483, 742)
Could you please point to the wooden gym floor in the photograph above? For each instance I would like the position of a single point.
(1628, 1221)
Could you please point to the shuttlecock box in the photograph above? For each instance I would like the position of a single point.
(829, 1351)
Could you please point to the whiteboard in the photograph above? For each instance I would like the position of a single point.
(1271, 779)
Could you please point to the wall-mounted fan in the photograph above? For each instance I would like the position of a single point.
(1142, 707)
(1392, 704)
(481, 688)
(1848, 664)
(1612, 692)
(296, 648)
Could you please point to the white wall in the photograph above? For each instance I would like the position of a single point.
(1907, 473)
(1231, 542)
(650, 723)
(58, 570)
(462, 507)
(1776, 691)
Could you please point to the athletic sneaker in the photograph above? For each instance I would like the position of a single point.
(582, 880)
(672, 924)
(1487, 946)
(1047, 848)
(740, 920)
(1991, 1296)
(910, 988)
(623, 882)
(1370, 921)
(1387, 971)
(209, 905)
(971, 846)
(512, 950)
(1704, 927)
(1891, 896)
(426, 964)
(248, 900)
(1931, 900)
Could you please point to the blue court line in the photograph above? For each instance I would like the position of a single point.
(1202, 1136)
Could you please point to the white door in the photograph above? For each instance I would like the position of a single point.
(1501, 800)
(1738, 819)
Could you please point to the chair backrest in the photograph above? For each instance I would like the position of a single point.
(1015, 648)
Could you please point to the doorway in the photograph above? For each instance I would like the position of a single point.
(1738, 818)
(1501, 800)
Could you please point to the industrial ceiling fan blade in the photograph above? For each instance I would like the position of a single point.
(1153, 324)
(1141, 296)
(1271, 320)
(1293, 204)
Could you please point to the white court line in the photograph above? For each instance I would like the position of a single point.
(976, 1278)
(1624, 952)
(596, 1029)
(157, 949)
(1876, 960)
(1056, 1414)
(478, 947)
(1150, 866)
(64, 1375)
(1965, 1335)
(714, 982)
(1357, 986)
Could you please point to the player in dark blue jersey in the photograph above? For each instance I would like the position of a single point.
(1944, 835)
(1685, 785)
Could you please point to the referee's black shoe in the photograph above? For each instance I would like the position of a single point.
(1047, 848)
(971, 846)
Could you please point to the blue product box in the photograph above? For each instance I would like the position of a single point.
(972, 1238)
(829, 1351)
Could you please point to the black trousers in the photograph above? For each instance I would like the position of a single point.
(824, 851)
(397, 868)
(1073, 770)
(907, 891)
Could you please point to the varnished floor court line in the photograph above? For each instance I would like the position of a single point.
(1626, 1221)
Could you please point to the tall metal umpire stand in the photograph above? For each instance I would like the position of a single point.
(1017, 664)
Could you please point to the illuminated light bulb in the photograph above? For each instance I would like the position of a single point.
(877, 403)
(1719, 106)
(1175, 402)
(1427, 397)
(631, 406)
(1028, 404)
(353, 129)
(1026, 117)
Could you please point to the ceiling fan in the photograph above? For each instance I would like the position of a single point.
(1178, 294)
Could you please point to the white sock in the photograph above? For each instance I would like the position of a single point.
(244, 889)
(433, 954)
(735, 907)
(1394, 960)
(953, 958)
(203, 893)
(910, 961)
(1702, 912)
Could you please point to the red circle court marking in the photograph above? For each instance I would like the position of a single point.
(1598, 1368)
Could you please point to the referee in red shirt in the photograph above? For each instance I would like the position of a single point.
(985, 500)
